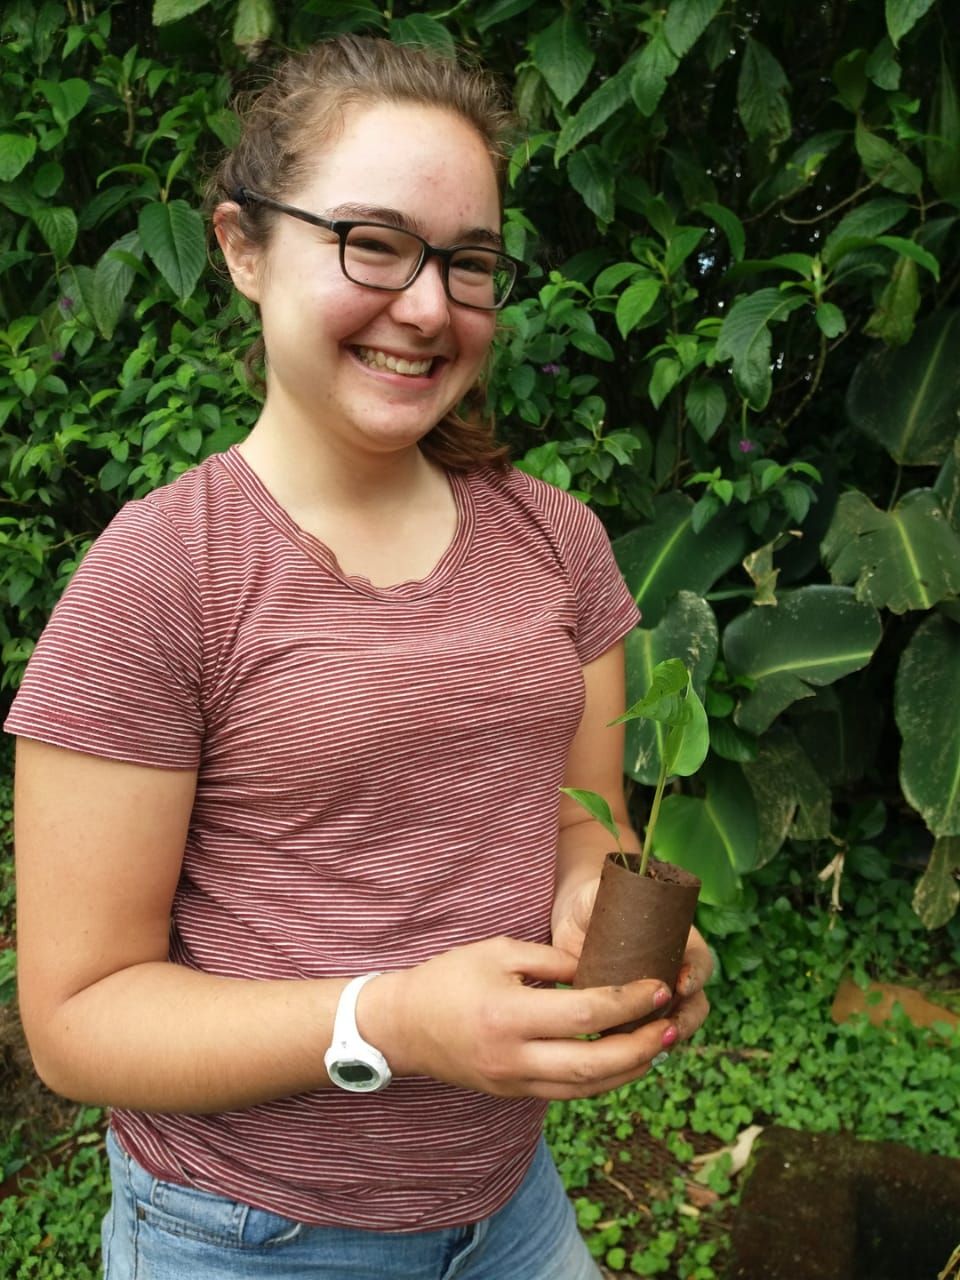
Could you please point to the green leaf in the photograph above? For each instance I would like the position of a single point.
(58, 226)
(173, 10)
(67, 98)
(907, 399)
(830, 320)
(893, 318)
(665, 556)
(592, 175)
(814, 636)
(190, 439)
(597, 808)
(422, 29)
(729, 224)
(48, 179)
(666, 374)
(882, 65)
(173, 238)
(112, 279)
(16, 152)
(926, 698)
(563, 56)
(902, 16)
(867, 220)
(910, 249)
(592, 344)
(790, 796)
(850, 77)
(706, 406)
(937, 894)
(745, 339)
(714, 838)
(500, 11)
(253, 24)
(907, 558)
(885, 163)
(596, 110)
(761, 95)
(654, 67)
(634, 303)
(686, 22)
(942, 143)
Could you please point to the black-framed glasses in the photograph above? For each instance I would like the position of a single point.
(379, 256)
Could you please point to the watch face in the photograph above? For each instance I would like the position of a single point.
(357, 1074)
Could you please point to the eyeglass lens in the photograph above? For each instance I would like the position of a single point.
(385, 258)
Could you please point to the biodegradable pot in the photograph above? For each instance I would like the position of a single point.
(639, 927)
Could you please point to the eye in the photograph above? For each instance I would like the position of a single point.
(475, 263)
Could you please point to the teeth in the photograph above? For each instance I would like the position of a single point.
(380, 360)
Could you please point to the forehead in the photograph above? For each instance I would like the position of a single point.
(421, 160)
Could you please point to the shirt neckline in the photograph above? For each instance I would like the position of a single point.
(257, 493)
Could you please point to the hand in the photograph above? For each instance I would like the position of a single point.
(571, 915)
(468, 1017)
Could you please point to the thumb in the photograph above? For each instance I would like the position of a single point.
(544, 963)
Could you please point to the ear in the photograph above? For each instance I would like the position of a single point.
(243, 258)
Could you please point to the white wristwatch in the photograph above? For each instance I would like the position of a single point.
(351, 1062)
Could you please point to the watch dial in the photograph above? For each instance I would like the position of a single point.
(355, 1073)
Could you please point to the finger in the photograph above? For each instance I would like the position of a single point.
(564, 1015)
(586, 1068)
(697, 965)
(690, 1015)
(538, 961)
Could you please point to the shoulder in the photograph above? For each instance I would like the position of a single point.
(558, 512)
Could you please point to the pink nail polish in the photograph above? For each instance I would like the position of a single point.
(669, 1036)
(661, 998)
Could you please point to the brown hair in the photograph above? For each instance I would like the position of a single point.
(304, 103)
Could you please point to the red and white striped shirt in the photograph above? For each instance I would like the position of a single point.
(378, 782)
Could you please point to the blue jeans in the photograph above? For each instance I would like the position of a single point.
(162, 1231)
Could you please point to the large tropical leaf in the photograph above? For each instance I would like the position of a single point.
(937, 895)
(908, 399)
(715, 837)
(563, 56)
(666, 556)
(814, 636)
(926, 705)
(790, 795)
(172, 235)
(907, 558)
(688, 630)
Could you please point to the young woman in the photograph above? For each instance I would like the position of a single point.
(291, 745)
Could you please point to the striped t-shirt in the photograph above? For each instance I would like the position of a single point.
(377, 782)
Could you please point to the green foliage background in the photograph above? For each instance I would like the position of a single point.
(738, 340)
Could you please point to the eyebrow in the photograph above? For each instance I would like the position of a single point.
(394, 218)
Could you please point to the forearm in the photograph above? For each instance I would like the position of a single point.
(161, 1037)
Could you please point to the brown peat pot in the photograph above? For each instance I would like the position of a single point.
(639, 927)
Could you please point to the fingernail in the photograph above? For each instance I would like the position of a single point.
(661, 998)
(669, 1036)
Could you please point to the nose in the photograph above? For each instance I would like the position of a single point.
(424, 304)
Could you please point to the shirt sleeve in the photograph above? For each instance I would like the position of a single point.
(606, 610)
(117, 671)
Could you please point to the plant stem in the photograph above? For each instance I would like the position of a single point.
(654, 814)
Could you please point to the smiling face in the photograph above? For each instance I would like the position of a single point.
(373, 370)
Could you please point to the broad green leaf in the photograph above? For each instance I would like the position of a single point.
(761, 95)
(745, 339)
(903, 15)
(830, 320)
(947, 485)
(67, 98)
(112, 279)
(591, 174)
(729, 224)
(790, 795)
(798, 170)
(706, 406)
(714, 837)
(840, 730)
(596, 110)
(500, 11)
(885, 163)
(926, 699)
(654, 67)
(937, 894)
(634, 303)
(688, 631)
(686, 22)
(597, 808)
(893, 318)
(422, 29)
(172, 237)
(850, 77)
(680, 244)
(173, 10)
(814, 636)
(910, 249)
(672, 702)
(665, 556)
(907, 399)
(16, 152)
(563, 56)
(48, 179)
(76, 282)
(882, 65)
(666, 374)
(253, 24)
(942, 143)
(866, 221)
(58, 226)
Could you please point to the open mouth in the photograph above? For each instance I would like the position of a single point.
(395, 364)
